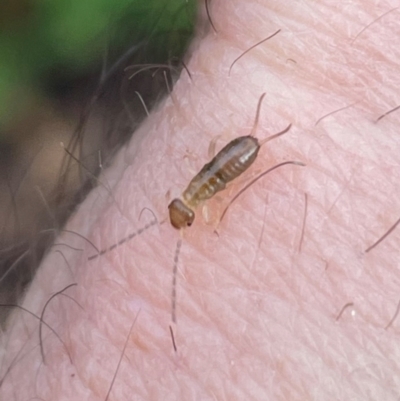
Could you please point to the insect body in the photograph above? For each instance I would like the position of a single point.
(235, 158)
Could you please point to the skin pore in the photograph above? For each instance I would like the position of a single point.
(260, 305)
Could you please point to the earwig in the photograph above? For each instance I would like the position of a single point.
(235, 158)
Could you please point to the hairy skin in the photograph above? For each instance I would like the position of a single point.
(259, 313)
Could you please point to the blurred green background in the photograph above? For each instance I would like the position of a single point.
(41, 38)
(67, 103)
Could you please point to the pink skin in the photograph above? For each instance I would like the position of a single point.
(257, 317)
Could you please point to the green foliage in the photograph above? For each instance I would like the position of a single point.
(74, 35)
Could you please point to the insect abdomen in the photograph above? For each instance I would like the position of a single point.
(235, 158)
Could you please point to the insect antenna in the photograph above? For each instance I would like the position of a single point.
(270, 138)
(255, 125)
(174, 274)
(123, 240)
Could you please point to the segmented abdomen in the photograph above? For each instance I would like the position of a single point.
(235, 158)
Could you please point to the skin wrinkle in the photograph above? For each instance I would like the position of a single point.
(291, 334)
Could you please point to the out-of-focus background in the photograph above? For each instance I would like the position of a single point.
(73, 76)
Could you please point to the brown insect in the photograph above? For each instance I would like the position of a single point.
(235, 158)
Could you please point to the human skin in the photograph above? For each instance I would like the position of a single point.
(283, 302)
